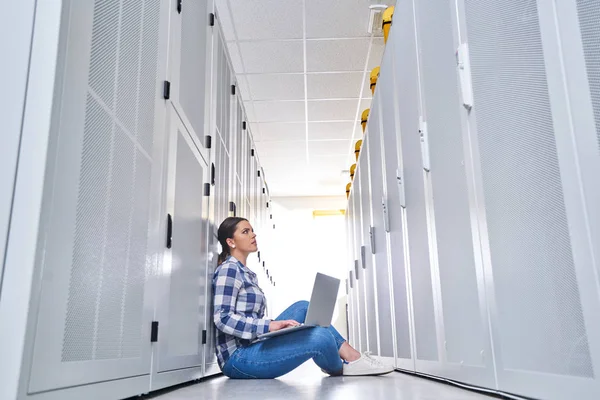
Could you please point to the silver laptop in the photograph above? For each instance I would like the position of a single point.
(320, 309)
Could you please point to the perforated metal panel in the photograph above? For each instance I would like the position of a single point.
(88, 243)
(463, 326)
(407, 85)
(91, 325)
(107, 279)
(386, 91)
(589, 15)
(382, 283)
(540, 319)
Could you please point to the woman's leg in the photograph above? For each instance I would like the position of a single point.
(281, 354)
(297, 312)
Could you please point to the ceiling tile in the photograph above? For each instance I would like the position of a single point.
(287, 152)
(337, 18)
(377, 49)
(358, 133)
(250, 114)
(243, 85)
(336, 55)
(279, 111)
(366, 92)
(330, 130)
(268, 57)
(338, 86)
(236, 60)
(276, 86)
(328, 147)
(256, 132)
(331, 165)
(267, 19)
(335, 110)
(224, 18)
(275, 131)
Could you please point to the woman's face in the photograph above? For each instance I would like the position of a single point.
(244, 238)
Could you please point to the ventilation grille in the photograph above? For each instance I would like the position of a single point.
(589, 15)
(106, 292)
(541, 325)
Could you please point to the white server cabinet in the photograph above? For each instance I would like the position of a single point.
(189, 69)
(16, 23)
(92, 185)
(353, 282)
(394, 215)
(224, 108)
(366, 255)
(358, 269)
(349, 282)
(380, 273)
(408, 91)
(535, 165)
(182, 306)
(359, 309)
(461, 315)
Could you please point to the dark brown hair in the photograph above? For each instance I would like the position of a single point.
(226, 231)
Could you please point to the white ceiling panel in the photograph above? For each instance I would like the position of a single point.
(328, 147)
(224, 18)
(292, 151)
(279, 111)
(243, 86)
(250, 114)
(330, 165)
(367, 86)
(358, 133)
(330, 130)
(276, 86)
(335, 86)
(255, 131)
(337, 18)
(269, 57)
(336, 55)
(267, 19)
(377, 49)
(236, 60)
(276, 131)
(335, 110)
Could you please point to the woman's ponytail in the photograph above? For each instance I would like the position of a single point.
(223, 256)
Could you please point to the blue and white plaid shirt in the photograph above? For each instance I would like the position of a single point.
(239, 308)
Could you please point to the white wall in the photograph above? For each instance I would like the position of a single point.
(300, 246)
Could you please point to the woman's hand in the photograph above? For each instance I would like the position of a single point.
(277, 325)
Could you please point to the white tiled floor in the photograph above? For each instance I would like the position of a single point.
(308, 382)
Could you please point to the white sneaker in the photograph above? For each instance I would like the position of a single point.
(366, 365)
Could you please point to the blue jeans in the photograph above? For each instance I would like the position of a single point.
(279, 355)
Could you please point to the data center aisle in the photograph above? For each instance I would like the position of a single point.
(308, 382)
